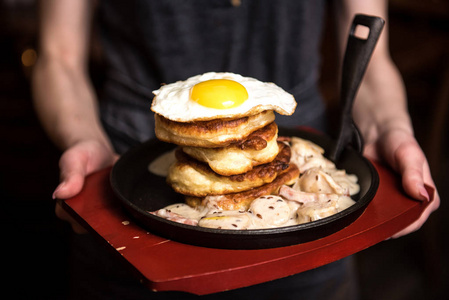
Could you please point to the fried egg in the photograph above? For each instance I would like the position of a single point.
(219, 95)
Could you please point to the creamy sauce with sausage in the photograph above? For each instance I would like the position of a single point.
(320, 191)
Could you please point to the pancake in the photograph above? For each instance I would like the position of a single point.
(260, 147)
(210, 134)
(191, 177)
(242, 200)
(258, 139)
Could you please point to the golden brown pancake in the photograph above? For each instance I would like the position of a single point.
(210, 134)
(191, 177)
(242, 200)
(258, 139)
(260, 147)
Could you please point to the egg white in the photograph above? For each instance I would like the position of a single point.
(173, 102)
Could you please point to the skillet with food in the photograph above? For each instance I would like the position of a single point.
(142, 192)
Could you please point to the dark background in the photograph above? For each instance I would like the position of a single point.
(36, 244)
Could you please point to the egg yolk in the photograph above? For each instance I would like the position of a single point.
(219, 93)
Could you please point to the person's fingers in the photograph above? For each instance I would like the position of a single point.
(73, 169)
(410, 161)
(75, 164)
(412, 164)
(78, 162)
(423, 218)
(401, 150)
(403, 153)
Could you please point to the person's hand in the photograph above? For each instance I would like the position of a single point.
(403, 153)
(75, 164)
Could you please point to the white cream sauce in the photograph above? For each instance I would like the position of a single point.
(161, 164)
(320, 191)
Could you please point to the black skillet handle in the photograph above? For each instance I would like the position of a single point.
(357, 55)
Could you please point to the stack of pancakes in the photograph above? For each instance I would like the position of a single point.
(227, 162)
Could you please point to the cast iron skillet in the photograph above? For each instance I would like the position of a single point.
(141, 191)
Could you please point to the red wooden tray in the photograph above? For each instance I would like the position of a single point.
(165, 265)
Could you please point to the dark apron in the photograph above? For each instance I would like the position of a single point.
(147, 43)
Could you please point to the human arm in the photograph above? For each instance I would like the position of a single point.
(380, 110)
(64, 98)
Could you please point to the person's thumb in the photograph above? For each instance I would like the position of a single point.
(410, 162)
(73, 169)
